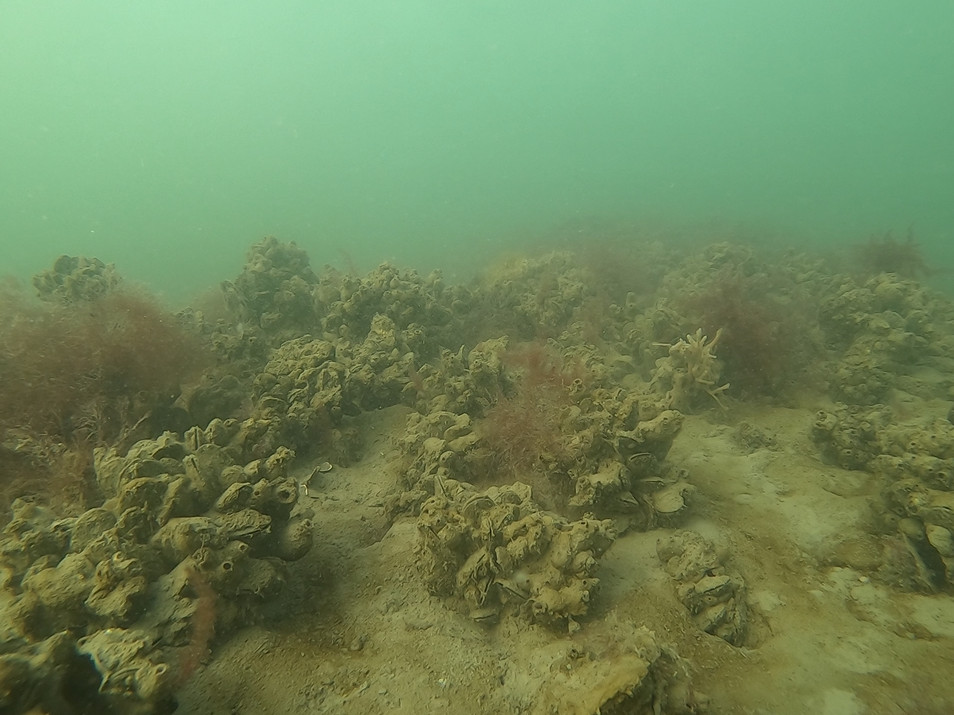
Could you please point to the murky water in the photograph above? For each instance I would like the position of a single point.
(167, 137)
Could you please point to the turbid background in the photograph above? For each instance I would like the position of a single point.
(166, 137)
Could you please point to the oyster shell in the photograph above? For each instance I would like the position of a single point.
(671, 500)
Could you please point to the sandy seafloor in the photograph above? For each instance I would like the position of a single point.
(364, 636)
(845, 611)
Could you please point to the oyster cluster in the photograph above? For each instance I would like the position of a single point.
(309, 385)
(915, 462)
(496, 550)
(76, 279)
(602, 468)
(531, 296)
(273, 293)
(277, 296)
(712, 593)
(878, 328)
(129, 584)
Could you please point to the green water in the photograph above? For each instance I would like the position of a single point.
(168, 136)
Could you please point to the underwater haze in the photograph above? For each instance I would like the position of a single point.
(167, 137)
